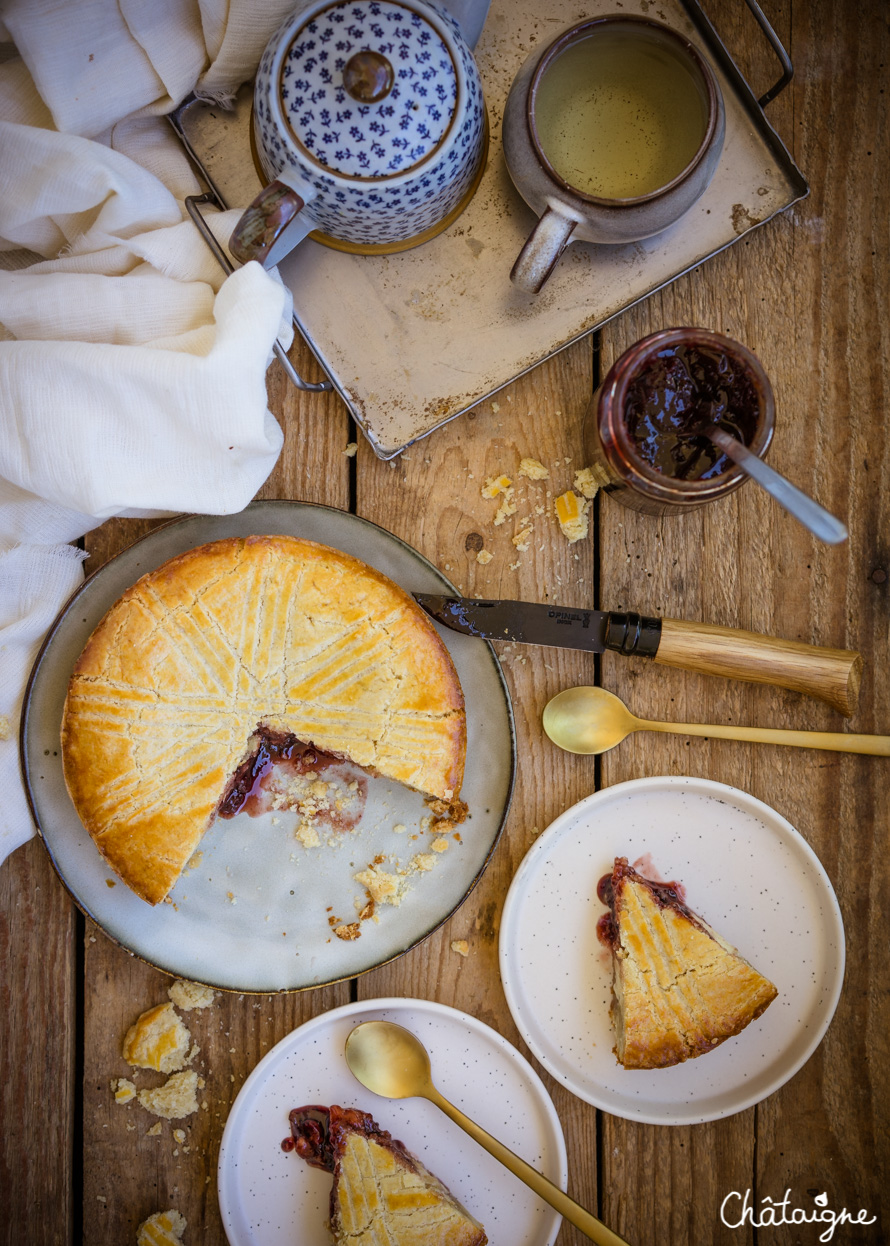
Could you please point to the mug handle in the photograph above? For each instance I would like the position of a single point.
(272, 225)
(543, 247)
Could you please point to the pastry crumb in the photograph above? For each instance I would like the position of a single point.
(423, 861)
(124, 1090)
(590, 479)
(382, 887)
(348, 932)
(460, 946)
(155, 1130)
(157, 1040)
(400, 828)
(189, 995)
(164, 1228)
(351, 448)
(507, 508)
(5, 728)
(175, 1099)
(532, 469)
(440, 844)
(495, 485)
(307, 835)
(522, 539)
(457, 810)
(571, 511)
(484, 557)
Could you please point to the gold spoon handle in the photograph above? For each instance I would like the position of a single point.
(552, 1194)
(835, 741)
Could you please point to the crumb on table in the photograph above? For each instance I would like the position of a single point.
(189, 995)
(175, 1099)
(164, 1228)
(533, 470)
(571, 511)
(157, 1040)
(124, 1090)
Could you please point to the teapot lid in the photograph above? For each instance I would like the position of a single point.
(368, 89)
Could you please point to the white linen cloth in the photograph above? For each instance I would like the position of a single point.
(132, 372)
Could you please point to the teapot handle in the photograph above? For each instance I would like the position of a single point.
(543, 247)
(271, 226)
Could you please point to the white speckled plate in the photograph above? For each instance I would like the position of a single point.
(271, 1198)
(745, 869)
(252, 913)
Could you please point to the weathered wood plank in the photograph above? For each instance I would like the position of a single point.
(37, 1069)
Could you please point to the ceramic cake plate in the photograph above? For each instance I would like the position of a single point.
(745, 870)
(251, 912)
(413, 339)
(268, 1197)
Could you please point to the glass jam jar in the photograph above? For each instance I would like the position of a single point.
(643, 426)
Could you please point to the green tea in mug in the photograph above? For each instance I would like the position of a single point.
(619, 115)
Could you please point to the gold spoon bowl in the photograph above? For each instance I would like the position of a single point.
(391, 1061)
(592, 720)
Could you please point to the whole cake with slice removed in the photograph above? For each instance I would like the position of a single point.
(231, 643)
(382, 1195)
(678, 988)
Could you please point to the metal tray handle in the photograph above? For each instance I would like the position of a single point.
(776, 45)
(192, 203)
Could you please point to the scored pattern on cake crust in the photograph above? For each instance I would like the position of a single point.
(262, 630)
(679, 988)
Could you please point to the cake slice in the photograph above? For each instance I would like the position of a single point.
(382, 1195)
(678, 988)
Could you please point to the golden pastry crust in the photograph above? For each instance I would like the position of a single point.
(382, 1195)
(266, 630)
(382, 1199)
(679, 989)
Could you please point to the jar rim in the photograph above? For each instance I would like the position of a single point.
(628, 366)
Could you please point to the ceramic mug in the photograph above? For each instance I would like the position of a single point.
(611, 133)
(369, 126)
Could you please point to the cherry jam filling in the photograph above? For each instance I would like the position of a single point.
(272, 748)
(280, 772)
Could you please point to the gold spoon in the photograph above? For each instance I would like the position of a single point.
(389, 1060)
(591, 720)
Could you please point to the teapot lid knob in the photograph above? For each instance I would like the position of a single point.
(368, 77)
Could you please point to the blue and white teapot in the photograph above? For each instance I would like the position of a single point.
(370, 126)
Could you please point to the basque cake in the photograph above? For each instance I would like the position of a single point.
(382, 1195)
(678, 988)
(231, 644)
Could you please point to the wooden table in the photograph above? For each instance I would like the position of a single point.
(809, 293)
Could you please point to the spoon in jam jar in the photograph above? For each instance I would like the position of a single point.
(392, 1062)
(813, 516)
(592, 720)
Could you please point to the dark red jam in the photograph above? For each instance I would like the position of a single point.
(679, 392)
(272, 749)
(263, 780)
(311, 1130)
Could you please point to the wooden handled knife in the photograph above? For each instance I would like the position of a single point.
(831, 675)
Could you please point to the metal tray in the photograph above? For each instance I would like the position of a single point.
(414, 339)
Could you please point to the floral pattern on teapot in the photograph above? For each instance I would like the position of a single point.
(381, 172)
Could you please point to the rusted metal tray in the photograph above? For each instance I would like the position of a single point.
(414, 339)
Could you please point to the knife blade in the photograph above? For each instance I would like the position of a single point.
(830, 675)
